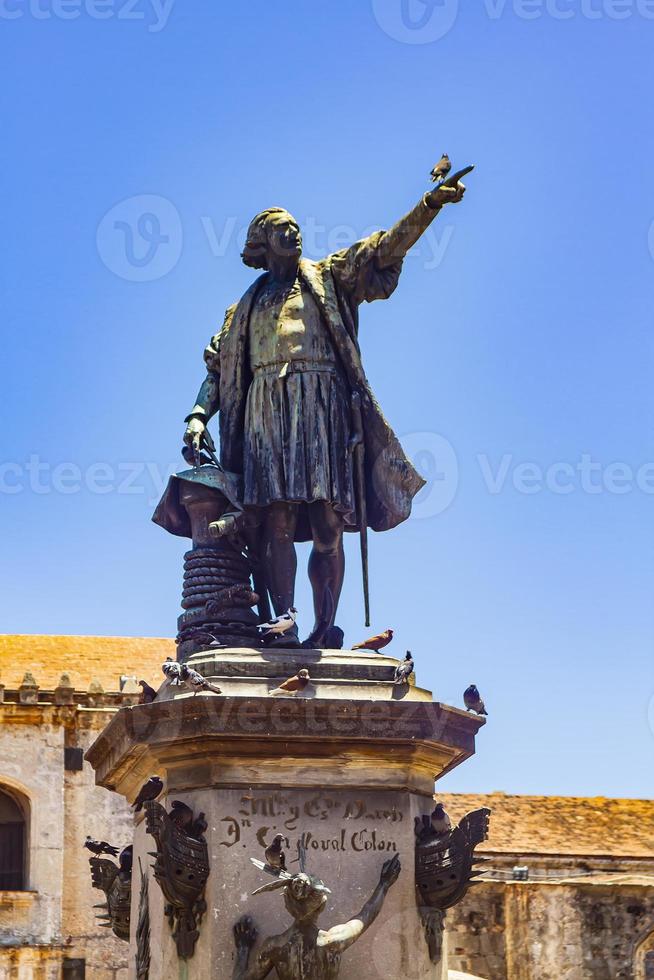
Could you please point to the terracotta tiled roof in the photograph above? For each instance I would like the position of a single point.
(84, 658)
(549, 825)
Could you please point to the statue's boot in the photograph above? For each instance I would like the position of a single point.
(324, 638)
(284, 641)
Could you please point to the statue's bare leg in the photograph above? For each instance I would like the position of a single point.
(326, 566)
(280, 559)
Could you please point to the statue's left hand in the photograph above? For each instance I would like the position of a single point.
(445, 195)
(390, 872)
(245, 933)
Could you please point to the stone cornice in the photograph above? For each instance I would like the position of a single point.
(256, 740)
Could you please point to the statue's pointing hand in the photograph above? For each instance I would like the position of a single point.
(445, 195)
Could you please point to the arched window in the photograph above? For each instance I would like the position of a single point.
(645, 959)
(12, 844)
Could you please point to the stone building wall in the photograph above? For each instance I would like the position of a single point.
(542, 931)
(52, 921)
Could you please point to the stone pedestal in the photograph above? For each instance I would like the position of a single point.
(343, 770)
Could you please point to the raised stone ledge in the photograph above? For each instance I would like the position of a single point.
(243, 741)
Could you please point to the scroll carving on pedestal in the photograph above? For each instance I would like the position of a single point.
(444, 868)
(181, 867)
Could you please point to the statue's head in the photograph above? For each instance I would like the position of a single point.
(305, 896)
(273, 231)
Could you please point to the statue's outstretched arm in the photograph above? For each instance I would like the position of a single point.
(396, 242)
(345, 935)
(245, 936)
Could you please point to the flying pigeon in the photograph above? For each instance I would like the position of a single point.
(281, 624)
(440, 822)
(149, 791)
(293, 686)
(442, 169)
(98, 847)
(404, 670)
(472, 700)
(275, 857)
(148, 694)
(376, 643)
(181, 674)
(126, 858)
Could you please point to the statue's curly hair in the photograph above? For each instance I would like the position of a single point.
(254, 254)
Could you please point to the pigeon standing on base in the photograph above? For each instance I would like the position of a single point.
(149, 791)
(98, 847)
(275, 857)
(440, 821)
(375, 643)
(404, 670)
(182, 675)
(293, 686)
(281, 624)
(472, 700)
(148, 694)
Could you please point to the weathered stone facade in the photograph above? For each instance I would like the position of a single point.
(48, 928)
(586, 911)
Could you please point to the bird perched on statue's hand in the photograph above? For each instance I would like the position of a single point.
(440, 822)
(293, 686)
(472, 700)
(442, 169)
(376, 643)
(404, 670)
(281, 624)
(275, 857)
(148, 791)
(148, 694)
(98, 847)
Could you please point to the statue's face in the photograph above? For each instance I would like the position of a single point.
(284, 237)
(300, 887)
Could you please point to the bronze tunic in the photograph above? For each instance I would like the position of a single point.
(297, 410)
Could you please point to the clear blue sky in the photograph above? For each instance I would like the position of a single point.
(520, 333)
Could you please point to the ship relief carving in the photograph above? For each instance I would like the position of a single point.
(445, 867)
(181, 868)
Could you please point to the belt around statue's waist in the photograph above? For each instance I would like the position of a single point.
(283, 368)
